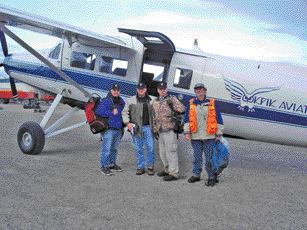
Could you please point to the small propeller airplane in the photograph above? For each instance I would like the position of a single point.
(256, 102)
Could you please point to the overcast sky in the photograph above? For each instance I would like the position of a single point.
(274, 30)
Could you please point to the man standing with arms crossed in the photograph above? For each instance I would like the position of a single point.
(164, 131)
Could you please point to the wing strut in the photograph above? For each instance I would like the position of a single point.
(44, 60)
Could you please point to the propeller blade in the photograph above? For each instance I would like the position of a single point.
(5, 53)
(3, 43)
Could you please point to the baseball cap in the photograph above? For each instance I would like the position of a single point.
(199, 85)
(162, 85)
(141, 85)
(115, 87)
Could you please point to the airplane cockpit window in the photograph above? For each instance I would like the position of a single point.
(183, 78)
(152, 75)
(113, 66)
(83, 60)
(55, 53)
(156, 70)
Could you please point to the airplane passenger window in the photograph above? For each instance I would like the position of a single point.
(113, 66)
(82, 60)
(55, 53)
(105, 64)
(183, 78)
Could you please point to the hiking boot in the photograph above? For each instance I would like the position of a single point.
(150, 171)
(140, 171)
(106, 171)
(193, 179)
(210, 182)
(116, 168)
(162, 173)
(169, 178)
(216, 177)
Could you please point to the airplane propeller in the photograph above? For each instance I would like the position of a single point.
(5, 53)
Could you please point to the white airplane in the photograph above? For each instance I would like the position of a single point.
(256, 102)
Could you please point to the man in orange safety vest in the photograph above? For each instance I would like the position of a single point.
(203, 126)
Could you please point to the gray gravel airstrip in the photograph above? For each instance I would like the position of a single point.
(264, 187)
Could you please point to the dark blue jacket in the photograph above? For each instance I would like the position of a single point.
(105, 109)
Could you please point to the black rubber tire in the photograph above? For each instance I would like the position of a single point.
(31, 138)
(26, 102)
(4, 101)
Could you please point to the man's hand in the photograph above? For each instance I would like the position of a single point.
(156, 135)
(218, 138)
(115, 111)
(187, 136)
(130, 126)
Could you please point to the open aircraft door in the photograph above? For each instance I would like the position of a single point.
(159, 50)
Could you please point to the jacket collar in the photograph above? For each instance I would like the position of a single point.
(197, 101)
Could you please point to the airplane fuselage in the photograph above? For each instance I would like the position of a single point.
(256, 103)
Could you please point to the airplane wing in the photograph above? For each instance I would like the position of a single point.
(23, 20)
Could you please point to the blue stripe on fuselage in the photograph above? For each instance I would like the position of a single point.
(103, 83)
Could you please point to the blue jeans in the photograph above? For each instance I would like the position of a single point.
(139, 141)
(109, 146)
(200, 146)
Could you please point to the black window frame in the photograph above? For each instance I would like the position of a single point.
(186, 83)
(55, 53)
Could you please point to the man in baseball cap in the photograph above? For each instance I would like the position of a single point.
(137, 115)
(111, 107)
(163, 128)
(203, 133)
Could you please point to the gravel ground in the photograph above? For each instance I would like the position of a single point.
(264, 187)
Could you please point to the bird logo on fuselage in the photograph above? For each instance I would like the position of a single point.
(240, 94)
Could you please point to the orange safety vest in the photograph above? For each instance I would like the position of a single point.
(211, 119)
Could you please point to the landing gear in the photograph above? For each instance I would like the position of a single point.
(31, 104)
(31, 135)
(31, 138)
(26, 103)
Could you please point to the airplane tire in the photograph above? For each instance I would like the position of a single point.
(26, 102)
(31, 138)
(4, 101)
